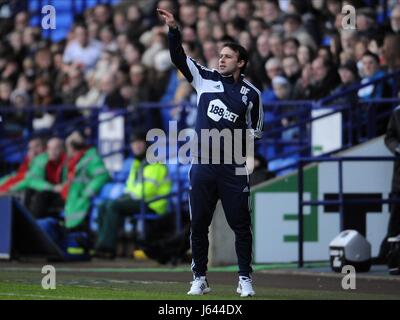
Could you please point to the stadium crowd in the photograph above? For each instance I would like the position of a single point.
(117, 56)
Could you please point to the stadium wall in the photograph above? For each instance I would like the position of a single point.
(275, 204)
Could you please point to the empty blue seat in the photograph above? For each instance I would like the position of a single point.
(123, 174)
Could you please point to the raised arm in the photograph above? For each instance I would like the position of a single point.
(192, 71)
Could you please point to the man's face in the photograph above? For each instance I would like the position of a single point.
(346, 75)
(138, 147)
(319, 71)
(54, 149)
(5, 91)
(290, 66)
(81, 36)
(273, 70)
(35, 147)
(188, 15)
(395, 19)
(228, 61)
(281, 91)
(370, 66)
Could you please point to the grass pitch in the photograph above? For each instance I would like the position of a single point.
(25, 284)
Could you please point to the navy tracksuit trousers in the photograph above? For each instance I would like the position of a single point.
(208, 183)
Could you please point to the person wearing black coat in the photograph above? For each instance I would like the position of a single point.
(392, 142)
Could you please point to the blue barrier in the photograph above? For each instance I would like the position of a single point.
(341, 202)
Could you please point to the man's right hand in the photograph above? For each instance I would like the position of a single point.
(168, 18)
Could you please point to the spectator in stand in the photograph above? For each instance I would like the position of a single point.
(74, 86)
(81, 50)
(366, 22)
(244, 9)
(141, 88)
(188, 15)
(258, 60)
(110, 94)
(17, 122)
(120, 22)
(293, 28)
(273, 68)
(371, 70)
(348, 73)
(154, 183)
(21, 21)
(291, 69)
(305, 55)
(136, 24)
(275, 43)
(18, 49)
(42, 183)
(390, 50)
(395, 20)
(272, 14)
(5, 93)
(107, 38)
(324, 79)
(333, 8)
(43, 98)
(36, 146)
(102, 14)
(44, 64)
(290, 47)
(204, 30)
(11, 70)
(210, 51)
(86, 175)
(283, 92)
(256, 27)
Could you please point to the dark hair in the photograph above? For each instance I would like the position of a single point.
(293, 40)
(40, 138)
(138, 135)
(372, 55)
(242, 53)
(80, 25)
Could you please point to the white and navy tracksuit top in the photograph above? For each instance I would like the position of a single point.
(222, 103)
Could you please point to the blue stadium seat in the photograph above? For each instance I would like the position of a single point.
(64, 21)
(123, 174)
(117, 190)
(64, 14)
(281, 163)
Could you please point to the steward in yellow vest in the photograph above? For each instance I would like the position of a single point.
(146, 181)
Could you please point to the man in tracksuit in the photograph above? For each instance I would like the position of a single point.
(226, 102)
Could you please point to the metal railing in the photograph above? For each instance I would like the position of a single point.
(341, 202)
